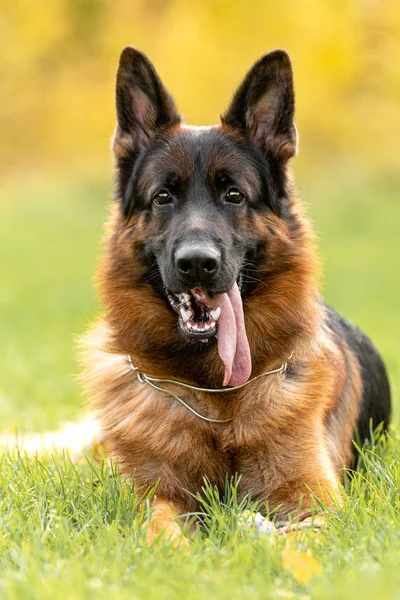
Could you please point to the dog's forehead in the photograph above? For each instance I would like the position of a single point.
(190, 151)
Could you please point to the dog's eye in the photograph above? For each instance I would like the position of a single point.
(234, 196)
(162, 198)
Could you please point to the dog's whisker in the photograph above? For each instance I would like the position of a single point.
(254, 279)
(153, 275)
(249, 266)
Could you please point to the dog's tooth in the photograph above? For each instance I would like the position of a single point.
(206, 326)
(186, 297)
(189, 325)
(215, 313)
(185, 314)
(212, 324)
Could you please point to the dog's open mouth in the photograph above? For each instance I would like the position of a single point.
(198, 319)
(202, 317)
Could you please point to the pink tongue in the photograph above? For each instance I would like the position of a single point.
(233, 345)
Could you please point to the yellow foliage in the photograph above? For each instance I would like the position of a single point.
(59, 60)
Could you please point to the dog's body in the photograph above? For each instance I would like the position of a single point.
(207, 237)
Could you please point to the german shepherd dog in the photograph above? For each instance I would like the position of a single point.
(216, 354)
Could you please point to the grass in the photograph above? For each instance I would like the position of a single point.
(72, 531)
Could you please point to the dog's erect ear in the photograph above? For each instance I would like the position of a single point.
(143, 106)
(263, 106)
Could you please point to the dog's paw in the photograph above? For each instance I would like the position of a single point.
(312, 523)
(169, 533)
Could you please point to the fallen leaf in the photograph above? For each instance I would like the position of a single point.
(302, 565)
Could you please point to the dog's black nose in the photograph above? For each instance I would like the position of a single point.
(197, 262)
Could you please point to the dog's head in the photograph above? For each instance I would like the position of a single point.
(205, 218)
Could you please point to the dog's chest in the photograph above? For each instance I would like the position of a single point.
(167, 435)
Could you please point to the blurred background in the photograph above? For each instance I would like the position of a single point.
(57, 117)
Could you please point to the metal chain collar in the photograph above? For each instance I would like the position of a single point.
(153, 381)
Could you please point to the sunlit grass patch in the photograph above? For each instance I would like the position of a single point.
(68, 529)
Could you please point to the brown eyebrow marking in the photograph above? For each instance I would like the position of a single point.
(177, 165)
(235, 168)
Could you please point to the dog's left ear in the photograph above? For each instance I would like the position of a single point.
(263, 106)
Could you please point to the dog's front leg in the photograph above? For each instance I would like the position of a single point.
(300, 484)
(163, 523)
(313, 493)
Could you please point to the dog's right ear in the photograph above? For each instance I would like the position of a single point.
(143, 107)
